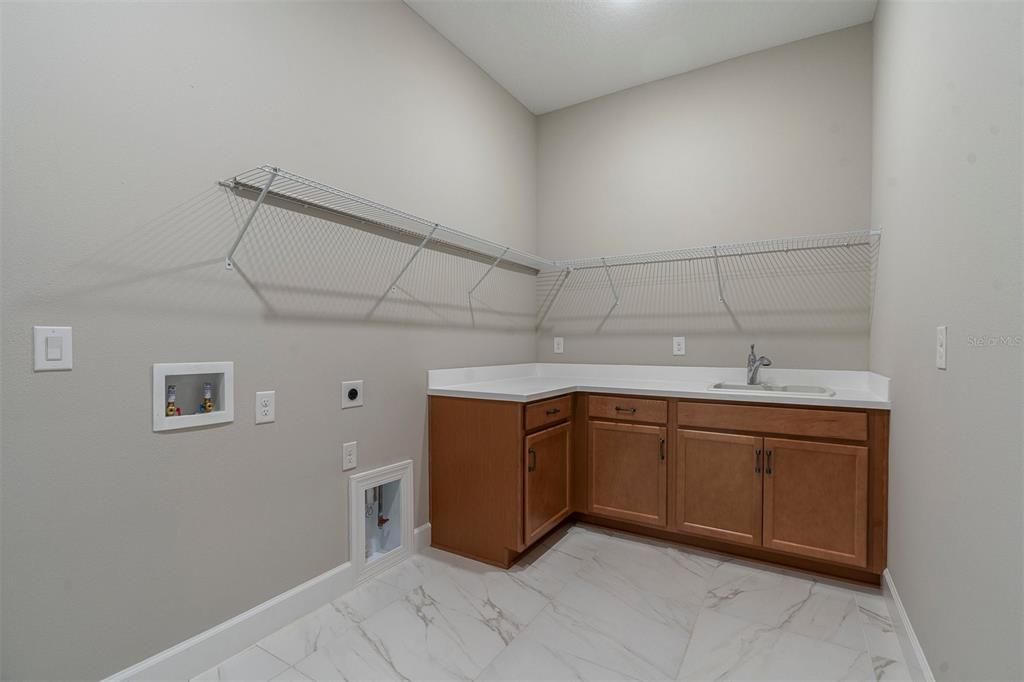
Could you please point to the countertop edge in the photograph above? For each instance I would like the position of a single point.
(463, 392)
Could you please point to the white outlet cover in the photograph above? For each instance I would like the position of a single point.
(56, 340)
(347, 386)
(349, 455)
(559, 344)
(265, 407)
(678, 345)
(940, 347)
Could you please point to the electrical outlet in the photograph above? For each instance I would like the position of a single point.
(351, 394)
(678, 345)
(940, 347)
(559, 344)
(349, 456)
(264, 407)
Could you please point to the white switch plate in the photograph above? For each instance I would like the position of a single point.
(346, 388)
(940, 347)
(265, 408)
(349, 455)
(559, 344)
(56, 340)
(678, 345)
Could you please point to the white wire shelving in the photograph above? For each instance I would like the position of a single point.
(274, 186)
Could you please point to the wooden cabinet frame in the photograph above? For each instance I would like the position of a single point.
(478, 462)
(537, 494)
(858, 495)
(741, 476)
(656, 451)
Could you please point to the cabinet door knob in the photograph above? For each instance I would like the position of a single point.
(768, 463)
(553, 410)
(757, 461)
(661, 448)
(533, 460)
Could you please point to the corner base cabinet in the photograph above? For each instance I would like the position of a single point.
(500, 474)
(796, 485)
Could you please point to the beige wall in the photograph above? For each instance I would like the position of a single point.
(777, 143)
(117, 121)
(947, 189)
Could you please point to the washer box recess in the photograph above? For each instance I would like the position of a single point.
(188, 379)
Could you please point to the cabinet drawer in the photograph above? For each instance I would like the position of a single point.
(548, 412)
(785, 420)
(632, 409)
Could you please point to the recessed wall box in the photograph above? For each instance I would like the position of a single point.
(188, 409)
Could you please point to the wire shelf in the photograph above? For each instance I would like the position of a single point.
(827, 262)
(295, 192)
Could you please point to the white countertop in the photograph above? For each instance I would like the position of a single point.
(535, 381)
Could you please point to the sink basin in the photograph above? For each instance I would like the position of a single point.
(781, 389)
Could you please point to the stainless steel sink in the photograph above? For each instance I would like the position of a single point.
(781, 389)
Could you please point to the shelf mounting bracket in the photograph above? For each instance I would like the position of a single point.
(469, 294)
(228, 262)
(566, 272)
(401, 272)
(615, 294)
(493, 265)
(718, 275)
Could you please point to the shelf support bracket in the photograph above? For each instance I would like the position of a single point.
(615, 294)
(493, 265)
(558, 290)
(401, 272)
(469, 294)
(228, 263)
(718, 275)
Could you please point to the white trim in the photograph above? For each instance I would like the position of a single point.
(205, 650)
(402, 472)
(905, 631)
(421, 538)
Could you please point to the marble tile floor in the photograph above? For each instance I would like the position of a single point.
(587, 604)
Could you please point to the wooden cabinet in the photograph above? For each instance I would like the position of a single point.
(628, 473)
(548, 412)
(816, 499)
(800, 497)
(800, 485)
(500, 474)
(718, 485)
(546, 491)
(630, 409)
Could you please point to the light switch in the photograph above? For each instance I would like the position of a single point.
(52, 347)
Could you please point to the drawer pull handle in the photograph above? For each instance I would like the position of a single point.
(533, 460)
(631, 410)
(768, 463)
(757, 461)
(553, 410)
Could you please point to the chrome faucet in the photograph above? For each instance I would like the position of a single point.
(754, 365)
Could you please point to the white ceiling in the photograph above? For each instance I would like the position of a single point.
(554, 53)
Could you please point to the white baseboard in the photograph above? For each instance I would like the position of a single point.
(908, 639)
(421, 538)
(200, 653)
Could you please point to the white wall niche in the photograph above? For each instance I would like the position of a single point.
(372, 547)
(188, 379)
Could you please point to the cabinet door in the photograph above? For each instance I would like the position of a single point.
(718, 486)
(628, 472)
(816, 500)
(548, 455)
